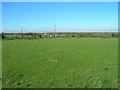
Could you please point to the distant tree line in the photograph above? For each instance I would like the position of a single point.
(11, 36)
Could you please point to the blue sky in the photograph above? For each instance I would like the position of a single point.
(67, 16)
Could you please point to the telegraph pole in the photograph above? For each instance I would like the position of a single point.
(54, 28)
(111, 33)
(22, 32)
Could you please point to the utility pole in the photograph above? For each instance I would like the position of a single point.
(54, 28)
(111, 33)
(22, 32)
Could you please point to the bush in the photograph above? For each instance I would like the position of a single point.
(3, 36)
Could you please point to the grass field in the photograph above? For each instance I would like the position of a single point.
(60, 63)
(0, 64)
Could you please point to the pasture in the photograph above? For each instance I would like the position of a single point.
(60, 63)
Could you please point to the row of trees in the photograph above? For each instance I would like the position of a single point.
(53, 35)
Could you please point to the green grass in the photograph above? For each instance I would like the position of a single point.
(60, 63)
(0, 64)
